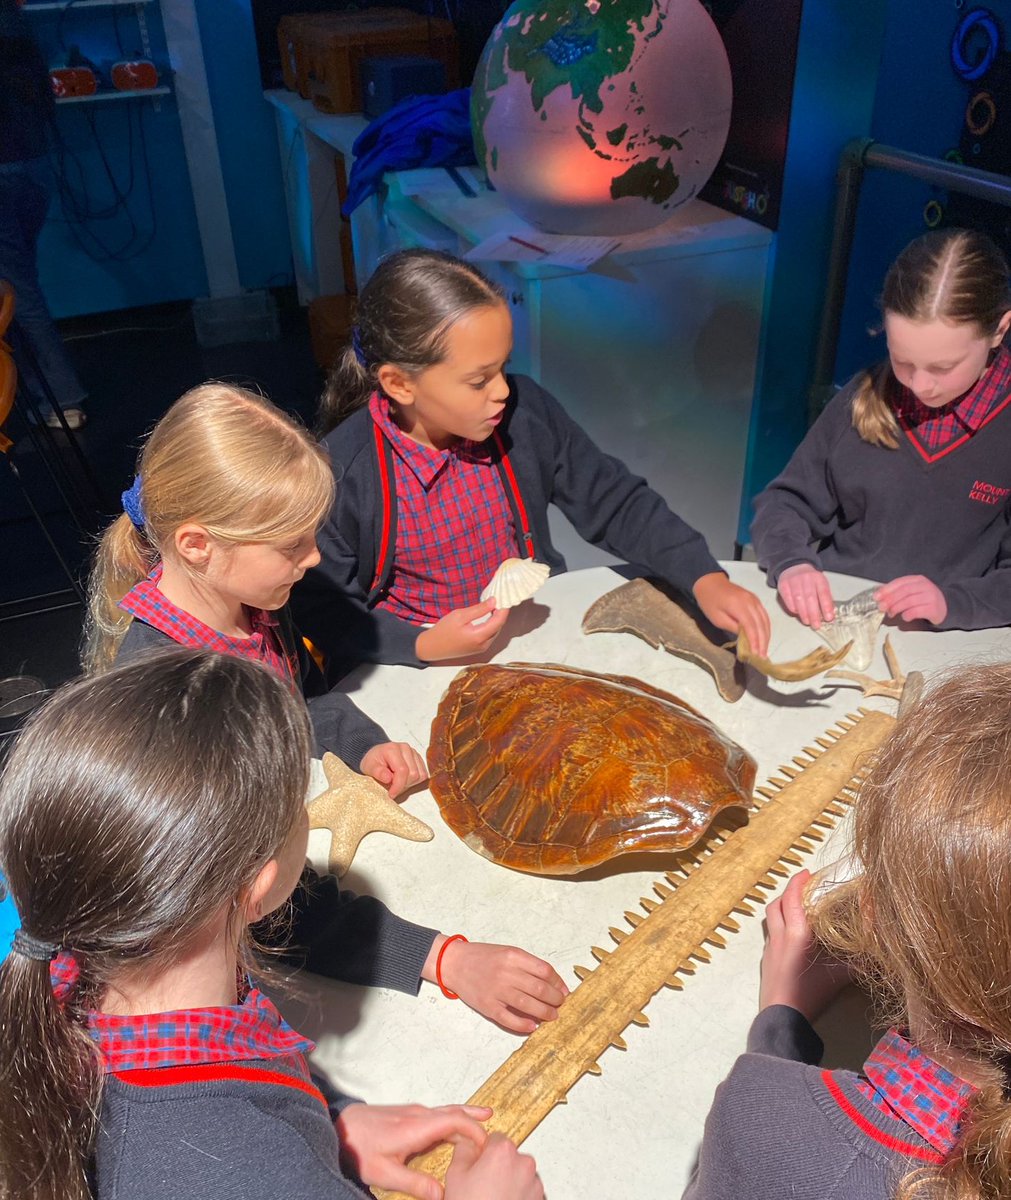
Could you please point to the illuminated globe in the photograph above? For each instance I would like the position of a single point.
(601, 116)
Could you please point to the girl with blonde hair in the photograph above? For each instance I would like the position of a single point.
(905, 477)
(927, 923)
(145, 823)
(219, 525)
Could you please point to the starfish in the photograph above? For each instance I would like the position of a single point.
(354, 806)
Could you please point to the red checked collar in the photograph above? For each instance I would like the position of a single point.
(909, 1085)
(252, 1028)
(970, 410)
(425, 461)
(149, 603)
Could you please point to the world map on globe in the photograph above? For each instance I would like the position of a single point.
(579, 104)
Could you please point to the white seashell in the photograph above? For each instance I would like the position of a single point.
(856, 620)
(516, 580)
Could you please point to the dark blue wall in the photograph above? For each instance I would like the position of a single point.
(169, 264)
(903, 93)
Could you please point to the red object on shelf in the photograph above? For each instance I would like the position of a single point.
(135, 75)
(73, 81)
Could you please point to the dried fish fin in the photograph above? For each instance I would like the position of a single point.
(790, 672)
(651, 611)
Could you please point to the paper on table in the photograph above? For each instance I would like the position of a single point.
(550, 249)
(439, 181)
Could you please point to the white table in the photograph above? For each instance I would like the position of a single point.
(635, 1129)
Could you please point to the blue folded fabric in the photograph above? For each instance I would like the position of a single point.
(10, 922)
(421, 131)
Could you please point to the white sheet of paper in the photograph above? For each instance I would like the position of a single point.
(532, 246)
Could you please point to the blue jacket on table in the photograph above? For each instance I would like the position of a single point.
(550, 460)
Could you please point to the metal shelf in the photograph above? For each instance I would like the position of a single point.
(57, 5)
(110, 94)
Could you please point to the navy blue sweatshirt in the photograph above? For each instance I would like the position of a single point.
(848, 506)
(555, 462)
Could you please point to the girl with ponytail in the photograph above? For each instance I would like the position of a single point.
(926, 924)
(220, 523)
(447, 465)
(906, 476)
(145, 822)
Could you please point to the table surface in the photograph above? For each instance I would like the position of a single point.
(639, 1122)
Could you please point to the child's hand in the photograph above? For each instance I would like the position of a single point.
(503, 983)
(733, 608)
(805, 592)
(498, 1172)
(378, 1139)
(795, 971)
(913, 598)
(458, 636)
(395, 765)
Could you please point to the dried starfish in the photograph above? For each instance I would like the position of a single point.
(649, 609)
(696, 903)
(790, 672)
(354, 806)
(904, 688)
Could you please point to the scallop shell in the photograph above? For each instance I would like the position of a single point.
(857, 620)
(515, 580)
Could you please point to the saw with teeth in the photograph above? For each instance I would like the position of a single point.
(695, 906)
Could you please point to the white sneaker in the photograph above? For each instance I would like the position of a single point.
(76, 418)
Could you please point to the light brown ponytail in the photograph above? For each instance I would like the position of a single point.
(873, 416)
(226, 459)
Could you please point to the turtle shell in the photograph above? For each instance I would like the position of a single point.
(552, 770)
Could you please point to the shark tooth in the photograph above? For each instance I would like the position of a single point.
(857, 620)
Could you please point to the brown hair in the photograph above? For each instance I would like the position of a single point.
(928, 921)
(405, 311)
(953, 275)
(222, 457)
(135, 804)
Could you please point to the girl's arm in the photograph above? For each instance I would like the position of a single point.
(337, 934)
(608, 505)
(332, 611)
(765, 1135)
(982, 603)
(798, 508)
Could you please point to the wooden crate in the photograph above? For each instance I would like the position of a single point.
(330, 321)
(321, 53)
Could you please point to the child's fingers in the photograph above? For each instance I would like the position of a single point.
(489, 628)
(792, 901)
(483, 609)
(398, 1178)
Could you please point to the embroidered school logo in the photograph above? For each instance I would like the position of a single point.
(987, 493)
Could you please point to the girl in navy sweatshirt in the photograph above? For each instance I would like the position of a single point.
(905, 477)
(446, 466)
(145, 822)
(219, 524)
(926, 922)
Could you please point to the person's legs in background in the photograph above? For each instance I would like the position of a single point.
(26, 189)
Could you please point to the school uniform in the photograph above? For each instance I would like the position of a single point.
(215, 1103)
(781, 1126)
(939, 505)
(537, 456)
(331, 931)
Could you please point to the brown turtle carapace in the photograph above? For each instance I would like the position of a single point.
(553, 770)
